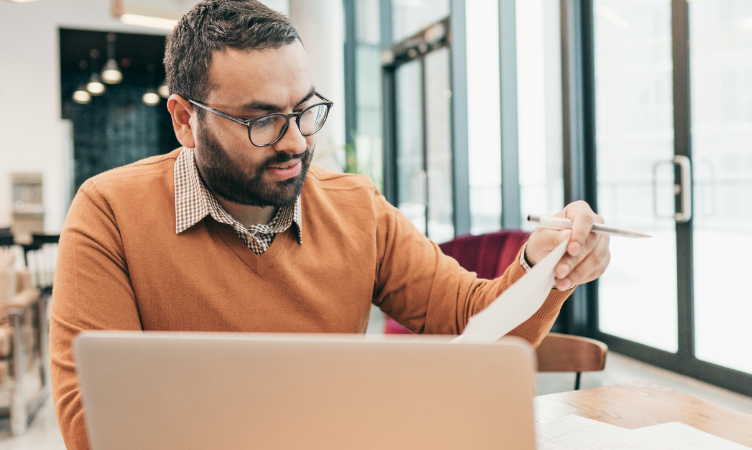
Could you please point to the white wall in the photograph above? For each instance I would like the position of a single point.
(32, 137)
(32, 134)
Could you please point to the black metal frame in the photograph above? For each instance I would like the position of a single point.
(459, 122)
(581, 181)
(350, 55)
(511, 203)
(578, 104)
(389, 98)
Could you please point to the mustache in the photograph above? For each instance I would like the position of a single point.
(281, 158)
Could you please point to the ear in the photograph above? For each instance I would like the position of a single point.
(182, 113)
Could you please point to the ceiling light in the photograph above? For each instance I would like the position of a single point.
(95, 86)
(22, 1)
(81, 96)
(148, 21)
(151, 97)
(164, 90)
(111, 73)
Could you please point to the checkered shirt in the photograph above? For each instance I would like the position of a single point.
(193, 202)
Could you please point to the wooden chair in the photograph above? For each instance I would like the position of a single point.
(566, 353)
(24, 352)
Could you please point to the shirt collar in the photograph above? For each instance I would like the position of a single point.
(193, 202)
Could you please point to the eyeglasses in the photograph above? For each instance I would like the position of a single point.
(266, 130)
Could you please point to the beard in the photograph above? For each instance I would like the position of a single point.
(246, 185)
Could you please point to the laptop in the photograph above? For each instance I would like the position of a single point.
(192, 391)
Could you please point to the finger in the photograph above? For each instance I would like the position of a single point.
(597, 272)
(582, 223)
(563, 284)
(592, 266)
(568, 262)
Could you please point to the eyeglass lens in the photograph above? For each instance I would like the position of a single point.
(269, 129)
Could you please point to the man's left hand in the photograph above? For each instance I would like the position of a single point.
(587, 253)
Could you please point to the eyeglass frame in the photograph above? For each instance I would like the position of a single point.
(249, 122)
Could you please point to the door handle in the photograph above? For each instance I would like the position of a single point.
(683, 189)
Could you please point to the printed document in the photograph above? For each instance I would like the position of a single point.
(685, 434)
(516, 304)
(574, 432)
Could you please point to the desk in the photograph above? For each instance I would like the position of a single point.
(640, 404)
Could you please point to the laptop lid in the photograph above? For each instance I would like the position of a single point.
(317, 392)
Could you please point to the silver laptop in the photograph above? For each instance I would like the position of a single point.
(315, 392)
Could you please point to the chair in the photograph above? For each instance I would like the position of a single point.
(565, 353)
(24, 353)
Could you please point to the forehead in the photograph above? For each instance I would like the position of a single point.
(276, 75)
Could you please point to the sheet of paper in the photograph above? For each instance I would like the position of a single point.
(574, 432)
(516, 304)
(682, 433)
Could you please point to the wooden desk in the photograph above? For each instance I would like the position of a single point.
(640, 404)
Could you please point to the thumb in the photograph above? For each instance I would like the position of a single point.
(544, 241)
(563, 236)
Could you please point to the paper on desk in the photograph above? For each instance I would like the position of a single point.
(574, 432)
(516, 304)
(685, 434)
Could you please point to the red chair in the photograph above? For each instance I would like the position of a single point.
(488, 255)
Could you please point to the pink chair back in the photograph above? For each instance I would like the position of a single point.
(488, 255)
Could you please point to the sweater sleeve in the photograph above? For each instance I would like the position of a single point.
(428, 292)
(92, 292)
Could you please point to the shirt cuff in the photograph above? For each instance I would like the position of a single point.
(523, 260)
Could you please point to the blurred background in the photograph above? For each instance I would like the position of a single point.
(468, 115)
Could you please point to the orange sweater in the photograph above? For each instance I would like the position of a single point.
(121, 266)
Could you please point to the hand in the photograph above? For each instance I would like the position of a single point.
(587, 253)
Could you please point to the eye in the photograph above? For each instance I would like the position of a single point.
(264, 122)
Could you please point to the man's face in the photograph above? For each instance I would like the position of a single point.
(249, 84)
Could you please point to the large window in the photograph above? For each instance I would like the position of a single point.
(365, 155)
(411, 16)
(539, 108)
(484, 120)
(634, 126)
(721, 92)
(673, 104)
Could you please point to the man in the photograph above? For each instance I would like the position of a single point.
(224, 235)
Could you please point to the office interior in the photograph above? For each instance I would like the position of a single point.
(468, 115)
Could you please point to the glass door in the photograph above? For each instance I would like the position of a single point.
(411, 174)
(438, 146)
(423, 141)
(673, 134)
(721, 91)
(637, 297)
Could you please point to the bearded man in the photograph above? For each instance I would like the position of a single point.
(238, 232)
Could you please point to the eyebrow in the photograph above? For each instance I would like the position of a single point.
(264, 106)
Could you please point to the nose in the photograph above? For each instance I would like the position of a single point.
(293, 142)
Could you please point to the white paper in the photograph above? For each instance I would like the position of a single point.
(515, 305)
(682, 433)
(574, 432)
